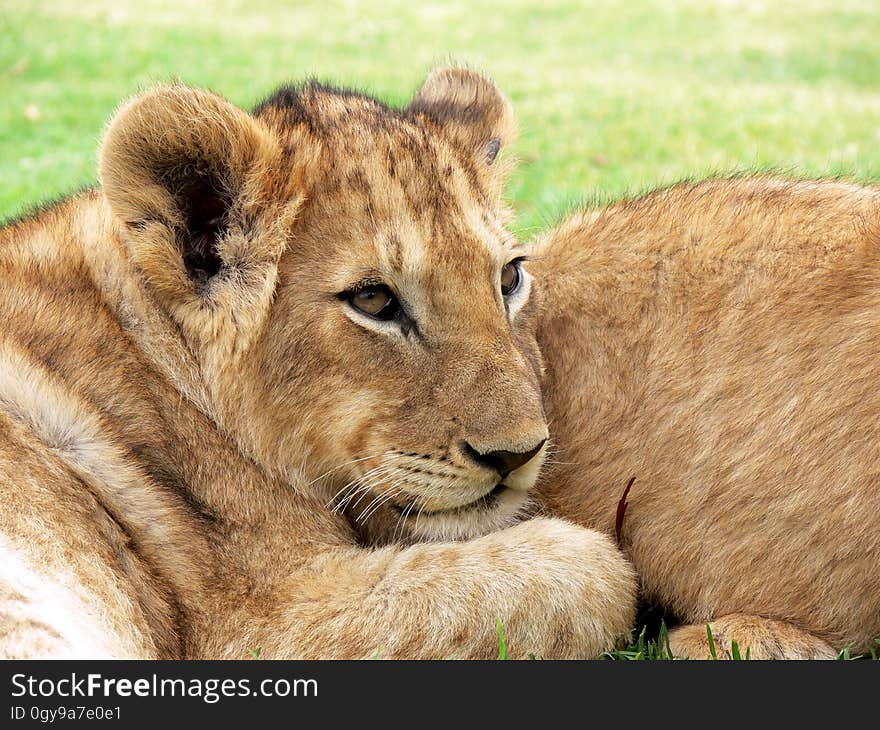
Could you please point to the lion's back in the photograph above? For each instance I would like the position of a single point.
(720, 343)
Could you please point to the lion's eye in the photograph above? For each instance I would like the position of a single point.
(511, 277)
(376, 301)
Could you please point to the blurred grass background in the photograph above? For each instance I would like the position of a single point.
(612, 97)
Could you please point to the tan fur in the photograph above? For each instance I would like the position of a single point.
(193, 422)
(720, 342)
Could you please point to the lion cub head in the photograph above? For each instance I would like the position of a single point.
(361, 318)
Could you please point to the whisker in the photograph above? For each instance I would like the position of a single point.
(383, 498)
(393, 490)
(371, 480)
(342, 466)
(418, 514)
(359, 489)
(349, 490)
(401, 520)
(353, 485)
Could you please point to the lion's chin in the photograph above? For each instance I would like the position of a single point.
(500, 508)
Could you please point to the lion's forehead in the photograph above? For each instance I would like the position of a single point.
(410, 214)
(405, 166)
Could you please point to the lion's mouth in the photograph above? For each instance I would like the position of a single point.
(487, 501)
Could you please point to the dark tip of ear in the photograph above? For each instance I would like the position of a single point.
(492, 150)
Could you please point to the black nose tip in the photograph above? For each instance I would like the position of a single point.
(503, 462)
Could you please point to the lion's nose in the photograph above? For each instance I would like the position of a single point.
(503, 462)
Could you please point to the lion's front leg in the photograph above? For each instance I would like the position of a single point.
(557, 589)
(757, 637)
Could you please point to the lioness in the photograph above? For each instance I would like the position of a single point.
(212, 359)
(720, 342)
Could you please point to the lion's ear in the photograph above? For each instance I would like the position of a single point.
(470, 107)
(198, 185)
(206, 205)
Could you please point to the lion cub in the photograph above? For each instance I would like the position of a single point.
(720, 342)
(260, 330)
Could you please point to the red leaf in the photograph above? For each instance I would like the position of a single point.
(621, 510)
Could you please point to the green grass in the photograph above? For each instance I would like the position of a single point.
(612, 97)
(645, 648)
(657, 648)
(653, 645)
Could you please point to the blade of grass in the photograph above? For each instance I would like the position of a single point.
(734, 651)
(712, 651)
(663, 640)
(502, 646)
